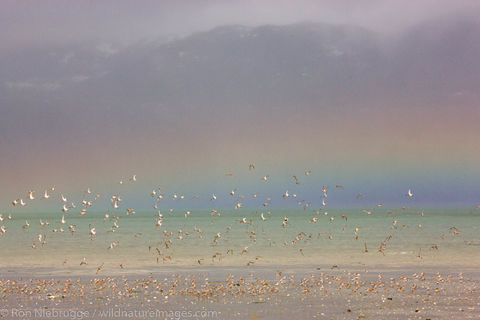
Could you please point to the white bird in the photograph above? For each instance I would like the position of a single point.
(15, 202)
(46, 195)
(63, 219)
(30, 195)
(409, 193)
(262, 217)
(26, 225)
(133, 178)
(214, 197)
(22, 203)
(84, 261)
(265, 178)
(92, 231)
(64, 209)
(3, 229)
(63, 198)
(285, 195)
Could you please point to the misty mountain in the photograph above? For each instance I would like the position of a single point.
(304, 65)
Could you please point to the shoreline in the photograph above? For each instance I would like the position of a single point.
(28, 271)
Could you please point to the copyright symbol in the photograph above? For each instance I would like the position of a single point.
(3, 312)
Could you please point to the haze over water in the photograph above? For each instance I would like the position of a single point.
(324, 235)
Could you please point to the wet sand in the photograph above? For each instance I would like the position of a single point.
(273, 292)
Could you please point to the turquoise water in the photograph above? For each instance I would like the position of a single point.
(323, 242)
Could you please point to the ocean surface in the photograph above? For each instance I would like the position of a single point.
(386, 236)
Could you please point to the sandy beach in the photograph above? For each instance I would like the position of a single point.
(274, 292)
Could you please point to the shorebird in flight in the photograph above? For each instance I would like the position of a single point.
(46, 195)
(92, 232)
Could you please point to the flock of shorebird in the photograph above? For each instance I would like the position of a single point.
(200, 286)
(157, 194)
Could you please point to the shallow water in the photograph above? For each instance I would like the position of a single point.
(270, 244)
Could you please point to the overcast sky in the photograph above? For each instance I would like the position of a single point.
(183, 114)
(27, 23)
